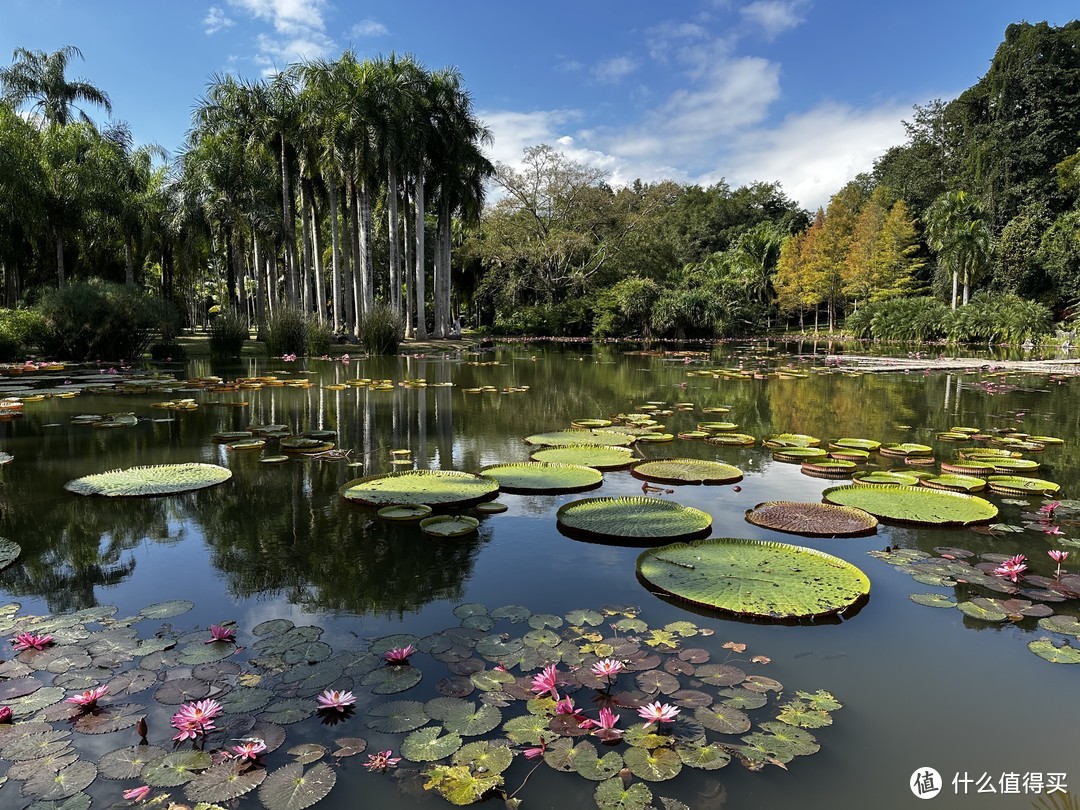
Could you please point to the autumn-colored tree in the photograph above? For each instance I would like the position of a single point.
(882, 260)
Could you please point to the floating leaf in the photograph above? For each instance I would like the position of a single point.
(800, 713)
(1019, 485)
(812, 519)
(527, 729)
(543, 477)
(293, 788)
(48, 786)
(428, 487)
(595, 456)
(80, 801)
(706, 757)
(459, 785)
(285, 712)
(937, 600)
(656, 765)
(161, 479)
(686, 471)
(390, 680)
(885, 478)
(429, 744)
(743, 698)
(449, 525)
(349, 747)
(307, 753)
(633, 518)
(245, 700)
(1067, 625)
(571, 438)
(755, 578)
(181, 690)
(612, 794)
(1062, 653)
(723, 718)
(225, 781)
(128, 763)
(982, 609)
(515, 613)
(34, 746)
(18, 687)
(9, 550)
(405, 512)
(397, 716)
(914, 504)
(467, 720)
(491, 756)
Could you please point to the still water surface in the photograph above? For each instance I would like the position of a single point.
(920, 687)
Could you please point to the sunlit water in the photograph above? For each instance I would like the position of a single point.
(920, 687)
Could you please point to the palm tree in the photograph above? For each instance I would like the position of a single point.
(40, 77)
(956, 230)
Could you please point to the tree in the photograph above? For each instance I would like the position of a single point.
(38, 77)
(957, 231)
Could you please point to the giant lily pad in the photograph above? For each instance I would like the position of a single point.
(686, 471)
(828, 468)
(914, 504)
(886, 477)
(754, 578)
(1019, 485)
(955, 482)
(543, 476)
(449, 525)
(568, 438)
(732, 440)
(633, 518)
(429, 487)
(1011, 465)
(161, 479)
(812, 519)
(799, 454)
(868, 445)
(588, 455)
(905, 449)
(790, 440)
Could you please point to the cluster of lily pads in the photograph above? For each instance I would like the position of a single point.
(597, 694)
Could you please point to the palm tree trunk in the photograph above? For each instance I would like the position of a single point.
(260, 282)
(357, 256)
(305, 235)
(335, 256)
(60, 259)
(349, 264)
(955, 281)
(410, 253)
(290, 225)
(319, 294)
(967, 287)
(395, 240)
(129, 270)
(421, 315)
(365, 245)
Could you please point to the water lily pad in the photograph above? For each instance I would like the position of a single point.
(292, 788)
(1010, 465)
(570, 438)
(9, 552)
(723, 717)
(732, 440)
(527, 729)
(468, 720)
(905, 449)
(955, 482)
(449, 525)
(397, 716)
(428, 487)
(392, 679)
(709, 757)
(349, 747)
(812, 519)
(285, 712)
(46, 785)
(938, 600)
(1067, 625)
(633, 518)
(656, 765)
(490, 756)
(181, 690)
(799, 454)
(790, 440)
(225, 781)
(175, 769)
(686, 471)
(459, 784)
(591, 455)
(886, 477)
(982, 609)
(1019, 485)
(405, 512)
(914, 504)
(1062, 653)
(34, 746)
(429, 744)
(128, 763)
(866, 445)
(161, 479)
(613, 794)
(307, 753)
(543, 477)
(166, 610)
(800, 713)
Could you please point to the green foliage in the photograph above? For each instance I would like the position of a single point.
(228, 331)
(998, 319)
(625, 309)
(19, 330)
(102, 320)
(564, 319)
(319, 338)
(286, 331)
(167, 351)
(380, 331)
(907, 319)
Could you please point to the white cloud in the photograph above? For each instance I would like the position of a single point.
(299, 31)
(369, 28)
(277, 53)
(513, 131)
(614, 70)
(287, 16)
(774, 17)
(666, 36)
(216, 20)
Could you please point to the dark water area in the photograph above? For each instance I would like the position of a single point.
(920, 686)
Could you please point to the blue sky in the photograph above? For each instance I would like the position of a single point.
(806, 92)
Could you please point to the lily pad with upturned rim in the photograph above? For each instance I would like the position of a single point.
(914, 504)
(732, 440)
(401, 512)
(589, 455)
(955, 482)
(1019, 485)
(885, 478)
(790, 440)
(799, 454)
(633, 518)
(686, 471)
(812, 519)
(868, 445)
(449, 525)
(160, 479)
(905, 449)
(754, 578)
(543, 477)
(428, 487)
(832, 468)
(568, 438)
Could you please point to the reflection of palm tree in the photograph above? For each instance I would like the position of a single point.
(40, 77)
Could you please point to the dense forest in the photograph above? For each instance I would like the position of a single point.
(346, 193)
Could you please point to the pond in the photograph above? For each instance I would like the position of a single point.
(276, 544)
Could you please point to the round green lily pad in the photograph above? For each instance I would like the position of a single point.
(812, 519)
(543, 476)
(1018, 485)
(686, 471)
(633, 518)
(568, 438)
(1009, 465)
(161, 479)
(231, 436)
(414, 511)
(967, 466)
(428, 487)
(938, 600)
(716, 426)
(589, 455)
(589, 424)
(491, 508)
(279, 459)
(790, 440)
(301, 444)
(449, 525)
(886, 477)
(905, 449)
(955, 482)
(832, 468)
(732, 439)
(755, 579)
(1044, 440)
(429, 744)
(867, 445)
(1063, 653)
(799, 454)
(914, 504)
(849, 454)
(247, 444)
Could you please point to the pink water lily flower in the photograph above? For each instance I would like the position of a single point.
(195, 719)
(137, 794)
(1048, 508)
(1059, 557)
(220, 633)
(1010, 570)
(607, 668)
(382, 761)
(89, 698)
(337, 700)
(248, 750)
(657, 713)
(533, 753)
(608, 718)
(399, 655)
(546, 681)
(31, 641)
(5, 714)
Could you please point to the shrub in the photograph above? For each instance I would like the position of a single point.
(917, 320)
(380, 331)
(228, 331)
(19, 330)
(999, 319)
(102, 320)
(319, 338)
(286, 331)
